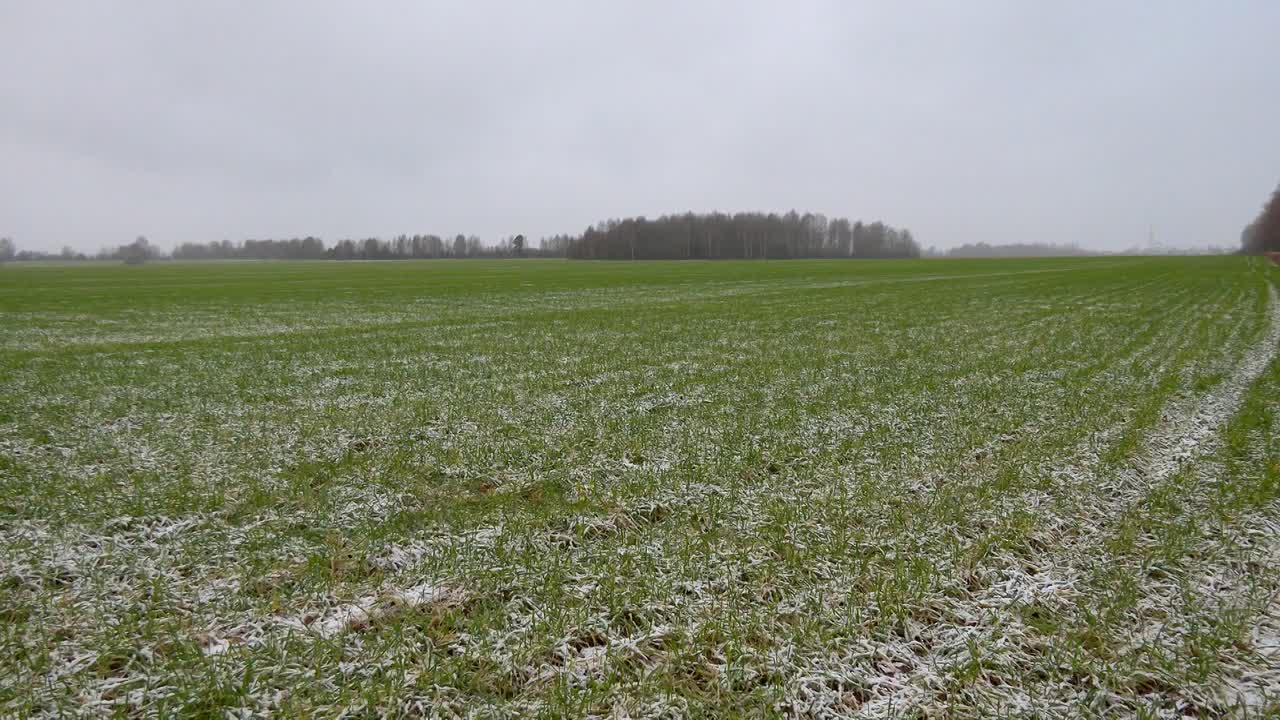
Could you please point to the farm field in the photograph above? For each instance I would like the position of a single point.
(545, 488)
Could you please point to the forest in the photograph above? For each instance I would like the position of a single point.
(715, 236)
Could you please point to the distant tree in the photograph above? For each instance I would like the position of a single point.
(1249, 238)
(8, 249)
(555, 246)
(517, 246)
(857, 239)
(137, 252)
(460, 246)
(1263, 234)
(344, 250)
(839, 238)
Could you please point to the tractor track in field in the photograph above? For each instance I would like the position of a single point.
(1188, 431)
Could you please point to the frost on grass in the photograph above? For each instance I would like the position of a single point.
(816, 490)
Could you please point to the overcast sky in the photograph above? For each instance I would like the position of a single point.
(1084, 122)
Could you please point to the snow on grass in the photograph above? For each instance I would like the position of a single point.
(810, 489)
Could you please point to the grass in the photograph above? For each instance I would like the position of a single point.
(878, 489)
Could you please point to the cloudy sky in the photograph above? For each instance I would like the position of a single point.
(1084, 122)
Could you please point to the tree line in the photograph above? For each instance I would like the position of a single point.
(135, 252)
(1263, 234)
(986, 250)
(714, 236)
(689, 236)
(401, 247)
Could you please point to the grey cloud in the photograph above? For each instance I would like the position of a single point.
(999, 121)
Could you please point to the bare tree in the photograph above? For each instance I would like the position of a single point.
(1263, 234)
(137, 252)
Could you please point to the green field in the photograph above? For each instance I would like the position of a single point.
(518, 488)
